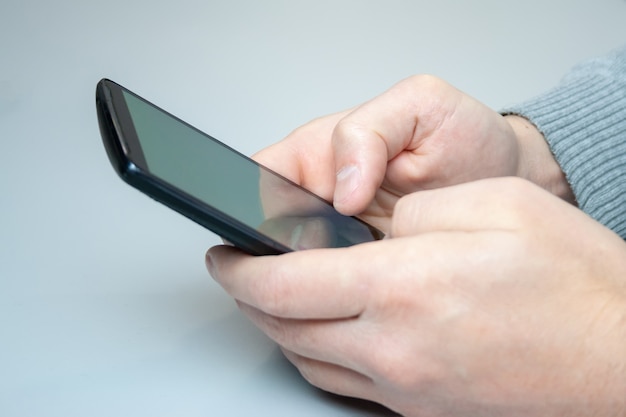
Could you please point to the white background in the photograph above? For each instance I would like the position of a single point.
(105, 305)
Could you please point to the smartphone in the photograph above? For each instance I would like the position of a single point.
(245, 203)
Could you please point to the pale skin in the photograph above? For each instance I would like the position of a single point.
(493, 295)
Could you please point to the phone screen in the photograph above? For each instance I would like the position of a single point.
(243, 191)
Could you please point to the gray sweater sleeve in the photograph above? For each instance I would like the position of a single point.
(584, 122)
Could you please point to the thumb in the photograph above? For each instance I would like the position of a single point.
(490, 204)
(380, 130)
(365, 140)
(361, 163)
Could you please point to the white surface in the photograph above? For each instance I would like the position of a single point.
(105, 306)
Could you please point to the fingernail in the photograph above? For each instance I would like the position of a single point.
(348, 179)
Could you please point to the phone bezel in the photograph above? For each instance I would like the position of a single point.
(124, 152)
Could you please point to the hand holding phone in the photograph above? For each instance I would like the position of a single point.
(191, 172)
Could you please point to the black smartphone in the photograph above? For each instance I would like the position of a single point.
(200, 177)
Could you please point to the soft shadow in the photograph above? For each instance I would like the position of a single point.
(358, 405)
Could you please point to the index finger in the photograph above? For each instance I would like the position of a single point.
(311, 284)
(367, 142)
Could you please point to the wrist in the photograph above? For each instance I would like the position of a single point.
(536, 162)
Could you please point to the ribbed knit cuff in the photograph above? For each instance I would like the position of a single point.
(584, 123)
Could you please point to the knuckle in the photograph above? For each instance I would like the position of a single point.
(427, 82)
(402, 369)
(517, 193)
(521, 201)
(345, 130)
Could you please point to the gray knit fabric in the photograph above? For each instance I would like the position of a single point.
(584, 121)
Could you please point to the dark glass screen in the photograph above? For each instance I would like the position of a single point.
(233, 184)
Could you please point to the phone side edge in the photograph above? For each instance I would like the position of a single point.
(238, 234)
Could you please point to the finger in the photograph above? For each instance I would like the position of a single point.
(491, 204)
(292, 285)
(332, 378)
(375, 133)
(305, 157)
(339, 342)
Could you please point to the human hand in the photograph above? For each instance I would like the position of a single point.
(420, 134)
(492, 298)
